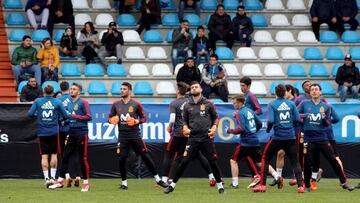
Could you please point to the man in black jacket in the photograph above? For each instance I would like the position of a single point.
(189, 72)
(348, 79)
(346, 11)
(323, 11)
(112, 41)
(220, 27)
(243, 27)
(31, 91)
(61, 11)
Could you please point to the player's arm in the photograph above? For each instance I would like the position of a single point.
(326, 117)
(214, 121)
(33, 109)
(239, 128)
(334, 116)
(113, 117)
(255, 104)
(87, 116)
(296, 116)
(63, 113)
(171, 117)
(141, 113)
(186, 129)
(300, 109)
(257, 122)
(270, 122)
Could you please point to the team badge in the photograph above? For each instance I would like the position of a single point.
(131, 109)
(76, 107)
(322, 110)
(202, 107)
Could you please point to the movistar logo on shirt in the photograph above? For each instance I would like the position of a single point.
(47, 105)
(250, 115)
(283, 107)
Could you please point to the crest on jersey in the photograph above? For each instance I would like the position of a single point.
(76, 107)
(131, 109)
(322, 110)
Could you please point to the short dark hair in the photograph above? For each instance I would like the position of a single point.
(128, 85)
(56, 94)
(296, 92)
(280, 90)
(49, 89)
(64, 86)
(239, 98)
(220, 5)
(246, 80)
(200, 28)
(32, 77)
(194, 83)
(302, 85)
(182, 88)
(26, 37)
(77, 85)
(290, 88)
(315, 85)
(240, 7)
(214, 56)
(184, 21)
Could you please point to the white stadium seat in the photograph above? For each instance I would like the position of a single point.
(103, 19)
(306, 36)
(177, 67)
(263, 36)
(274, 5)
(161, 69)
(82, 18)
(295, 5)
(279, 20)
(284, 36)
(273, 70)
(310, 3)
(200, 67)
(251, 69)
(165, 87)
(231, 69)
(80, 4)
(268, 53)
(134, 53)
(290, 53)
(258, 88)
(101, 34)
(234, 87)
(246, 53)
(300, 20)
(131, 36)
(138, 69)
(156, 53)
(101, 4)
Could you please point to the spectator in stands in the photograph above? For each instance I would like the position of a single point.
(346, 11)
(49, 59)
(24, 60)
(243, 27)
(189, 72)
(323, 11)
(201, 47)
(150, 14)
(348, 79)
(214, 79)
(68, 43)
(31, 91)
(112, 41)
(125, 6)
(61, 11)
(193, 4)
(182, 42)
(37, 11)
(90, 40)
(220, 28)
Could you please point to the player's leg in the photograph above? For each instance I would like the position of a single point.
(309, 150)
(54, 145)
(290, 150)
(83, 160)
(206, 166)
(123, 155)
(280, 159)
(180, 149)
(235, 167)
(314, 170)
(43, 149)
(333, 145)
(168, 158)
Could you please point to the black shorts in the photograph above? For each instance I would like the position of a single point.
(177, 145)
(241, 152)
(48, 144)
(138, 145)
(333, 145)
(206, 147)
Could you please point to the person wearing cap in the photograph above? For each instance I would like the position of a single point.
(150, 14)
(61, 11)
(348, 79)
(243, 27)
(112, 41)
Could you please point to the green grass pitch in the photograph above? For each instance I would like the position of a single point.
(187, 190)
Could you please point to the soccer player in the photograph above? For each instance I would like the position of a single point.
(128, 114)
(283, 116)
(200, 120)
(176, 146)
(316, 117)
(47, 110)
(76, 143)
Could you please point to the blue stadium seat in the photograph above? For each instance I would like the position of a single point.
(97, 87)
(350, 36)
(126, 20)
(13, 4)
(263, 100)
(298, 85)
(208, 4)
(80, 83)
(169, 36)
(253, 5)
(70, 70)
(194, 20)
(147, 100)
(21, 85)
(296, 70)
(170, 20)
(351, 100)
(167, 5)
(39, 35)
(355, 53)
(312, 54)
(327, 88)
(335, 68)
(17, 35)
(328, 37)
(318, 70)
(115, 87)
(273, 85)
(258, 20)
(15, 19)
(101, 100)
(335, 53)
(55, 85)
(207, 19)
(92, 70)
(224, 53)
(358, 3)
(143, 88)
(116, 70)
(152, 36)
(331, 100)
(58, 35)
(231, 4)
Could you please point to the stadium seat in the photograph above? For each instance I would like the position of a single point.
(58, 35)
(39, 35)
(116, 70)
(251, 70)
(13, 4)
(300, 20)
(274, 70)
(279, 20)
(335, 68)
(16, 35)
(318, 70)
(22, 85)
(230, 4)
(208, 4)
(167, 5)
(55, 85)
(169, 36)
(143, 88)
(80, 4)
(263, 36)
(131, 36)
(306, 37)
(351, 100)
(178, 66)
(194, 20)
(258, 88)
(252, 5)
(134, 53)
(355, 53)
(328, 37)
(224, 53)
(156, 53)
(350, 36)
(101, 4)
(138, 69)
(15, 19)
(358, 3)
(97, 87)
(264, 101)
(165, 87)
(335, 53)
(70, 70)
(295, 5)
(274, 5)
(101, 100)
(93, 70)
(126, 20)
(161, 69)
(115, 87)
(298, 85)
(268, 53)
(100, 35)
(103, 19)
(82, 18)
(231, 69)
(245, 53)
(258, 20)
(152, 36)
(290, 53)
(273, 86)
(296, 70)
(312, 54)
(327, 88)
(234, 87)
(284, 36)
(171, 20)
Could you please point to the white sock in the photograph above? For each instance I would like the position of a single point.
(165, 179)
(67, 175)
(172, 184)
(86, 181)
(279, 171)
(53, 173)
(46, 174)
(314, 175)
(275, 175)
(219, 185)
(157, 178)
(235, 181)
(211, 176)
(124, 182)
